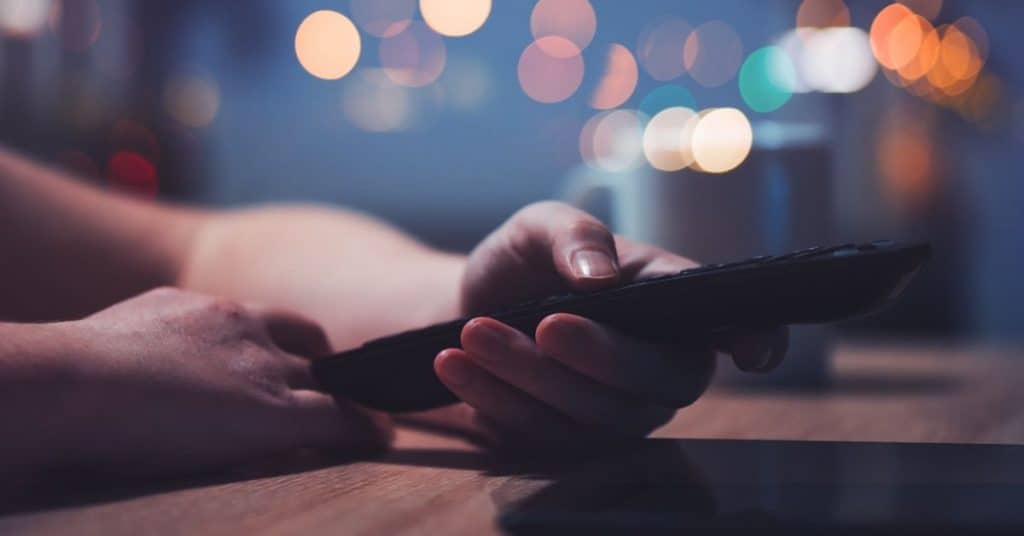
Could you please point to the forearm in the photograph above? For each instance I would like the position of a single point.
(40, 384)
(357, 276)
(70, 249)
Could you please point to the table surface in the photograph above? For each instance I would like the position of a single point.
(430, 483)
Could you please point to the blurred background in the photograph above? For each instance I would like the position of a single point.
(890, 120)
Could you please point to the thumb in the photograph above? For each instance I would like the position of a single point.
(579, 247)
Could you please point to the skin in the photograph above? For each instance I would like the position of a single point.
(98, 368)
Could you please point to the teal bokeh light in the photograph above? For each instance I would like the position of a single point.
(766, 79)
(667, 96)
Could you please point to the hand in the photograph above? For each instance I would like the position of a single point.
(575, 378)
(172, 379)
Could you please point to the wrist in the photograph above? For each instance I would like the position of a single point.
(45, 380)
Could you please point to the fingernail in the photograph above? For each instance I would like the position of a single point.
(593, 264)
(457, 372)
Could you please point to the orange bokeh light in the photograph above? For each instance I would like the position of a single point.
(822, 14)
(928, 51)
(894, 18)
(554, 76)
(619, 79)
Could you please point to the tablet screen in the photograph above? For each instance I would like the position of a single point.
(687, 484)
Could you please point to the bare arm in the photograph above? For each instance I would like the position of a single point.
(71, 249)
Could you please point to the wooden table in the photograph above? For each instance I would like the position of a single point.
(432, 484)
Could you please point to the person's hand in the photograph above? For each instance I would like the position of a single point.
(173, 379)
(575, 378)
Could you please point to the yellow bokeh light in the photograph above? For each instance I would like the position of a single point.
(574, 20)
(618, 81)
(722, 140)
(383, 18)
(455, 18)
(660, 48)
(192, 100)
(668, 138)
(547, 77)
(822, 14)
(713, 53)
(415, 58)
(327, 44)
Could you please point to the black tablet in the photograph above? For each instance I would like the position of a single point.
(815, 285)
(696, 486)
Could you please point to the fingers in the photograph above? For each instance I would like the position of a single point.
(669, 376)
(515, 359)
(291, 331)
(759, 350)
(315, 419)
(581, 249)
(508, 407)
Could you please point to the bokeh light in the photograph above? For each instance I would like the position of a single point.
(76, 23)
(927, 52)
(794, 44)
(766, 78)
(959, 55)
(619, 79)
(574, 20)
(415, 57)
(928, 9)
(383, 18)
(722, 140)
(660, 48)
(895, 36)
(668, 138)
(667, 96)
(455, 18)
(130, 172)
(822, 14)
(550, 77)
(906, 152)
(374, 103)
(327, 44)
(193, 100)
(838, 60)
(23, 18)
(618, 141)
(713, 53)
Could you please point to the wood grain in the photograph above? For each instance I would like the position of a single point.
(434, 484)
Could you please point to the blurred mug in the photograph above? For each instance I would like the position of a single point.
(778, 200)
